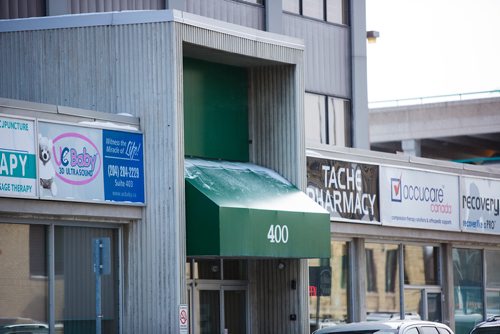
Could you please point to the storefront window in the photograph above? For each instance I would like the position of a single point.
(421, 265)
(75, 294)
(468, 288)
(23, 278)
(328, 286)
(382, 297)
(492, 283)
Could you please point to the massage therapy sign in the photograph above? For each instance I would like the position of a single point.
(17, 158)
(88, 164)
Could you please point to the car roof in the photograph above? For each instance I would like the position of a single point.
(377, 325)
(490, 322)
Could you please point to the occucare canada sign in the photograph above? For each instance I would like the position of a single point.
(419, 199)
(347, 190)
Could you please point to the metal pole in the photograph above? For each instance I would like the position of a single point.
(401, 283)
(97, 271)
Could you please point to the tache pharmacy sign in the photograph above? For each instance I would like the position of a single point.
(88, 164)
(17, 158)
(348, 190)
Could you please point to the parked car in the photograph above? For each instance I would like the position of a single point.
(22, 325)
(388, 327)
(490, 326)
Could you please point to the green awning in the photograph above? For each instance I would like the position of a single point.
(245, 210)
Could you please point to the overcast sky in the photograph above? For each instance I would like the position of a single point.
(432, 47)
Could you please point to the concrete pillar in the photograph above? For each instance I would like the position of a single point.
(274, 14)
(448, 286)
(412, 147)
(360, 127)
(357, 298)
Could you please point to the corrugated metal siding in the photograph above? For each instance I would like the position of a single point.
(273, 297)
(131, 69)
(93, 6)
(15, 9)
(229, 11)
(327, 56)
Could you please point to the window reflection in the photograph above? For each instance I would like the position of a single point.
(313, 8)
(328, 287)
(468, 288)
(75, 285)
(327, 120)
(23, 281)
(421, 265)
(382, 298)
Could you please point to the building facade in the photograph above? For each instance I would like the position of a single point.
(232, 107)
(198, 89)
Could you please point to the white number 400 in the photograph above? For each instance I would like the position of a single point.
(278, 234)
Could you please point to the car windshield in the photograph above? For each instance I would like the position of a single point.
(486, 330)
(371, 331)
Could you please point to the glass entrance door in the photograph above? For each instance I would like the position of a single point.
(219, 309)
(424, 303)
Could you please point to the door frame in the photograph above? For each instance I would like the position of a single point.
(195, 286)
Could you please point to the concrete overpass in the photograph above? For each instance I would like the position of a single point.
(457, 130)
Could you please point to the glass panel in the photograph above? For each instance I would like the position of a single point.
(382, 298)
(207, 269)
(468, 288)
(429, 330)
(492, 303)
(209, 319)
(337, 11)
(291, 6)
(235, 320)
(339, 126)
(75, 285)
(434, 307)
(315, 118)
(412, 331)
(23, 278)
(235, 270)
(492, 272)
(421, 265)
(413, 303)
(313, 8)
(334, 11)
(328, 287)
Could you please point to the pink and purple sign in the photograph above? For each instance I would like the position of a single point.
(88, 164)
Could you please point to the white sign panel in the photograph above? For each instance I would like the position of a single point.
(418, 199)
(480, 205)
(17, 158)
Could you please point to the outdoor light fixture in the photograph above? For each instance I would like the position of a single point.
(281, 265)
(372, 36)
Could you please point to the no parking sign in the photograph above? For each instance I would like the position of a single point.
(183, 319)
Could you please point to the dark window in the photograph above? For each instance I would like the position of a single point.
(371, 272)
(334, 11)
(391, 266)
(38, 257)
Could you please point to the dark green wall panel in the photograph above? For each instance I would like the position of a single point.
(215, 110)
